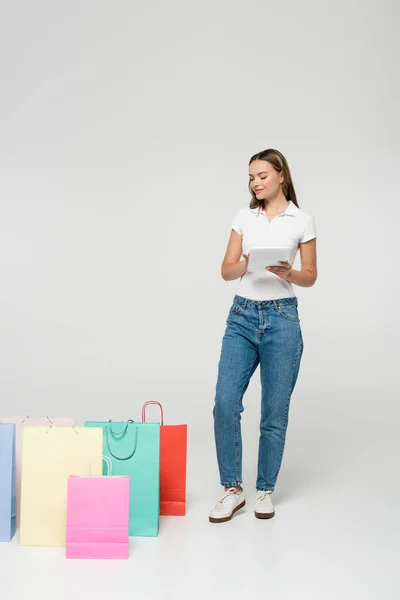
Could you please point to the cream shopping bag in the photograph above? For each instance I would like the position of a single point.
(49, 456)
(20, 423)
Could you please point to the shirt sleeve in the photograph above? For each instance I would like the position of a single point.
(237, 223)
(309, 232)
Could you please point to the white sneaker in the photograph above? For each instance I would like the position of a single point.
(228, 504)
(263, 508)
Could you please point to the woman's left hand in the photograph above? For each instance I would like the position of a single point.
(283, 271)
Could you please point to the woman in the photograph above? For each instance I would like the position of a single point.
(262, 328)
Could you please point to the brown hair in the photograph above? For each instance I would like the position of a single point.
(279, 162)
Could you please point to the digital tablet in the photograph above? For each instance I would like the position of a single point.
(261, 257)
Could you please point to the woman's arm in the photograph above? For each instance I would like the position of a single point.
(307, 276)
(232, 267)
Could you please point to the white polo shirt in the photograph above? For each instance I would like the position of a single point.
(289, 229)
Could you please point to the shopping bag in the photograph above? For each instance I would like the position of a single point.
(20, 423)
(49, 456)
(134, 450)
(7, 482)
(173, 452)
(98, 516)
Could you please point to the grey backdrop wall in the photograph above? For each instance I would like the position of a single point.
(125, 135)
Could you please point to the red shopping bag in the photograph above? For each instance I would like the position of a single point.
(173, 452)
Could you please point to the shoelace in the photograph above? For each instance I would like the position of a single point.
(261, 496)
(223, 500)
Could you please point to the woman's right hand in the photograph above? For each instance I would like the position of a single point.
(233, 267)
(245, 262)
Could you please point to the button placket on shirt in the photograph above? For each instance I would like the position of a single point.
(270, 222)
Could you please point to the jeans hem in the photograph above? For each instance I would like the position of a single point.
(263, 488)
(236, 483)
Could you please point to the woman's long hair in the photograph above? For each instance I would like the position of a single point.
(279, 162)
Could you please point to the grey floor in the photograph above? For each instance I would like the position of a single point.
(335, 534)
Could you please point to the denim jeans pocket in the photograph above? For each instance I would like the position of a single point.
(237, 306)
(288, 312)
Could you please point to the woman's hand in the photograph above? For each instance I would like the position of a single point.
(245, 262)
(283, 271)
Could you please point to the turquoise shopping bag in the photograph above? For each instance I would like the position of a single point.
(134, 450)
(7, 482)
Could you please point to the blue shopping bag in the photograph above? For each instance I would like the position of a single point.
(134, 450)
(7, 482)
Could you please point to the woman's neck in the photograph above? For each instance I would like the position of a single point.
(276, 205)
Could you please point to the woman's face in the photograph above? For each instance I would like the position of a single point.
(264, 179)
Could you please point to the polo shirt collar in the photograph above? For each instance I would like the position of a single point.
(290, 211)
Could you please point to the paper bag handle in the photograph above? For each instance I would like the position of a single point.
(111, 452)
(123, 432)
(106, 460)
(144, 410)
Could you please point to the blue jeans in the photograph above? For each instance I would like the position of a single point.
(257, 332)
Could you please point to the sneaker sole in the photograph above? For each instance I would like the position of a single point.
(264, 515)
(225, 519)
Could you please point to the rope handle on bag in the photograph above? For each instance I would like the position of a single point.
(144, 410)
(72, 427)
(50, 425)
(106, 460)
(108, 442)
(123, 432)
(19, 422)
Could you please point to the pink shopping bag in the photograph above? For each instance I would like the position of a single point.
(20, 423)
(98, 516)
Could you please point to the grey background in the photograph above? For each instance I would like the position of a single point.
(125, 134)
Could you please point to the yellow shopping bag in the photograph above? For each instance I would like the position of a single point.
(49, 456)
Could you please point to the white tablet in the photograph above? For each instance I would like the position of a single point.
(261, 257)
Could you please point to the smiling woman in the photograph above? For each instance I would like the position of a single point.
(263, 328)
